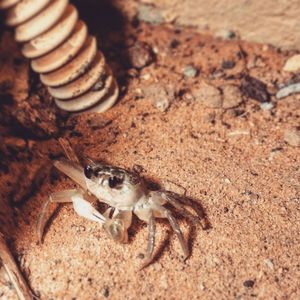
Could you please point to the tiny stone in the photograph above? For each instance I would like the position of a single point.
(227, 180)
(146, 76)
(255, 89)
(269, 263)
(141, 256)
(267, 105)
(174, 44)
(226, 34)
(162, 104)
(105, 292)
(292, 64)
(209, 95)
(140, 55)
(288, 90)
(160, 96)
(202, 286)
(98, 123)
(228, 64)
(232, 96)
(190, 71)
(163, 282)
(265, 48)
(149, 14)
(292, 136)
(248, 283)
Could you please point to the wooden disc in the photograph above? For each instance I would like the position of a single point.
(24, 10)
(107, 102)
(62, 54)
(74, 68)
(49, 40)
(41, 22)
(82, 83)
(89, 99)
(4, 4)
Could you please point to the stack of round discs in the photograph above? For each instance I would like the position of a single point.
(63, 53)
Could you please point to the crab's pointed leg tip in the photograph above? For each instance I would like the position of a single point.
(186, 256)
(39, 237)
(146, 263)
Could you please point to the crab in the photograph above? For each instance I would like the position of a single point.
(126, 193)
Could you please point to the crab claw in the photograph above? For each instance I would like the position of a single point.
(117, 227)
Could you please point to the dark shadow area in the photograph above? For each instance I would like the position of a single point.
(108, 24)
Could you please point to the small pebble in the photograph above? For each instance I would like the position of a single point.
(209, 95)
(202, 286)
(292, 136)
(174, 44)
(160, 95)
(266, 105)
(190, 71)
(292, 64)
(226, 34)
(228, 64)
(269, 263)
(163, 282)
(249, 283)
(288, 90)
(140, 55)
(105, 292)
(149, 14)
(255, 89)
(232, 96)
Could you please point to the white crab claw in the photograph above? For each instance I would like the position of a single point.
(86, 210)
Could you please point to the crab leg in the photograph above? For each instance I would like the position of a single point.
(73, 170)
(172, 198)
(22, 289)
(151, 242)
(81, 206)
(175, 226)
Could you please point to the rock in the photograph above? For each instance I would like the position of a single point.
(269, 263)
(249, 283)
(150, 14)
(293, 88)
(105, 292)
(267, 105)
(228, 64)
(292, 136)
(190, 71)
(232, 96)
(140, 55)
(209, 95)
(226, 34)
(292, 64)
(255, 89)
(160, 96)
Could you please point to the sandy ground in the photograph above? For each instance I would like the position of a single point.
(233, 162)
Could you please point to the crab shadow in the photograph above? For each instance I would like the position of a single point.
(106, 21)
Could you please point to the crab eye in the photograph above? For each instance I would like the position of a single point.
(88, 171)
(113, 181)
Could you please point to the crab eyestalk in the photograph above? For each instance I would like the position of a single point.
(63, 53)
